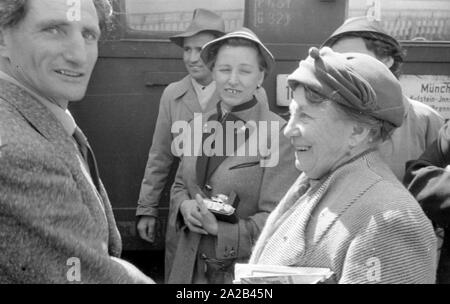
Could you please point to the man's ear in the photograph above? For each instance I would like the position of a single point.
(359, 135)
(388, 61)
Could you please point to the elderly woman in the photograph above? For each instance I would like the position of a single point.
(209, 246)
(347, 211)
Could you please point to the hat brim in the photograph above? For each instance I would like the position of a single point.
(386, 38)
(207, 55)
(179, 39)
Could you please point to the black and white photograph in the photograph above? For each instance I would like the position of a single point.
(237, 144)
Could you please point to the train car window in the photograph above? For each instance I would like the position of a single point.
(294, 22)
(408, 20)
(163, 18)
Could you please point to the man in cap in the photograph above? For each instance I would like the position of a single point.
(56, 221)
(195, 93)
(421, 123)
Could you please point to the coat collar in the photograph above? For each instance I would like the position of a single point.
(43, 121)
(183, 91)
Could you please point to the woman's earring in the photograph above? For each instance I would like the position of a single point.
(258, 86)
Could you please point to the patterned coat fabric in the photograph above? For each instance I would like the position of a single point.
(50, 215)
(359, 221)
(259, 189)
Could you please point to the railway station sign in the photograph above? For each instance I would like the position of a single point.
(433, 90)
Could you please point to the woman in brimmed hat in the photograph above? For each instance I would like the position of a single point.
(209, 247)
(347, 211)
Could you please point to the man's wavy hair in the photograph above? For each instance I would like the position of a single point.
(12, 12)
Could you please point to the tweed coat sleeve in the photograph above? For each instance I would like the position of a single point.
(159, 162)
(370, 260)
(237, 240)
(46, 227)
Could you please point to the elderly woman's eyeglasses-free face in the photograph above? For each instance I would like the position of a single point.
(319, 135)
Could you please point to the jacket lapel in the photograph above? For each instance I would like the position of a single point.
(212, 103)
(185, 93)
(44, 122)
(37, 115)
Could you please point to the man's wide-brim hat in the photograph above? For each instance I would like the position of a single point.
(202, 21)
(208, 53)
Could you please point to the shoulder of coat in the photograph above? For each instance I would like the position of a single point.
(177, 89)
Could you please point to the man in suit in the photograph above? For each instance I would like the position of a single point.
(56, 222)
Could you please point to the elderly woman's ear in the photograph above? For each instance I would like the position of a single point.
(360, 136)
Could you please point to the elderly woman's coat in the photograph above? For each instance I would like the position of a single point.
(259, 189)
(359, 221)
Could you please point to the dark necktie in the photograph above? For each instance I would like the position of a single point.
(88, 156)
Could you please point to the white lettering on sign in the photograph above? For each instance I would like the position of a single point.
(284, 92)
(433, 90)
(272, 12)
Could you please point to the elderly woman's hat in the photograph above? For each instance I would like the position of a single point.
(209, 51)
(202, 21)
(354, 80)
